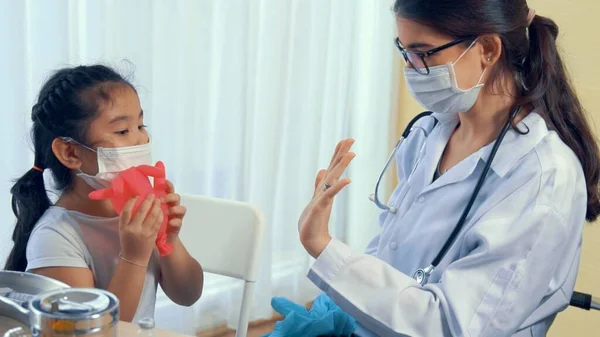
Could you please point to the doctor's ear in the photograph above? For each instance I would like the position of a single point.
(491, 46)
(67, 153)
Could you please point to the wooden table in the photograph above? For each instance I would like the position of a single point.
(128, 329)
(124, 329)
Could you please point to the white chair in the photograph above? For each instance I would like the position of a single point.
(225, 236)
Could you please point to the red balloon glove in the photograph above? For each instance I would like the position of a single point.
(135, 182)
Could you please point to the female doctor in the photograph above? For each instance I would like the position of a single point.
(482, 235)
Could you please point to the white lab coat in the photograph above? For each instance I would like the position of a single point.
(514, 264)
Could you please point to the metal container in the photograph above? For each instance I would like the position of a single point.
(16, 289)
(74, 312)
(34, 305)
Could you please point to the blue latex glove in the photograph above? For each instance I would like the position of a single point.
(325, 318)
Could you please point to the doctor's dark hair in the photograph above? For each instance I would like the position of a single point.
(67, 104)
(530, 55)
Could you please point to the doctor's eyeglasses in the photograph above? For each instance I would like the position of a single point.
(416, 59)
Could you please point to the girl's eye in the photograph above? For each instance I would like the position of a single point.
(126, 131)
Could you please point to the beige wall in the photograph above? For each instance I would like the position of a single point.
(579, 24)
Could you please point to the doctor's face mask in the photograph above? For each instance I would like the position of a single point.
(436, 88)
(443, 75)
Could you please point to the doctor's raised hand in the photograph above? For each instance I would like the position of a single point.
(313, 225)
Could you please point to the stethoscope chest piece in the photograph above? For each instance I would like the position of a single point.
(422, 275)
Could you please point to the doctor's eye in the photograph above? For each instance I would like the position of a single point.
(142, 127)
(122, 132)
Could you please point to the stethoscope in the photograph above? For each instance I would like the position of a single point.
(422, 275)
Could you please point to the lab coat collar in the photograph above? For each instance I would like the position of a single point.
(513, 147)
(434, 150)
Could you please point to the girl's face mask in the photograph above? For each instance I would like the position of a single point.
(111, 161)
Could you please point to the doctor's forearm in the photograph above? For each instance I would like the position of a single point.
(182, 278)
(352, 272)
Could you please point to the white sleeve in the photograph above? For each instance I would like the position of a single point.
(490, 291)
(52, 246)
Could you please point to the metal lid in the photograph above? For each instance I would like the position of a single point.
(75, 302)
(75, 310)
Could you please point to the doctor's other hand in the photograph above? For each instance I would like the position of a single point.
(324, 318)
(313, 225)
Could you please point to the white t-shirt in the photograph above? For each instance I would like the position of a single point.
(64, 238)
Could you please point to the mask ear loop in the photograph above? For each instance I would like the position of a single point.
(98, 155)
(466, 51)
(454, 74)
(71, 140)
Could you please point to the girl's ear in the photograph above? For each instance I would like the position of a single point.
(67, 153)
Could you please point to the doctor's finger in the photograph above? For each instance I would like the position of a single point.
(319, 180)
(346, 146)
(335, 173)
(331, 192)
(337, 149)
(285, 307)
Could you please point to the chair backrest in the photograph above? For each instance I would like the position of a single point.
(225, 236)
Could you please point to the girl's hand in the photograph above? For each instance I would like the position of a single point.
(176, 213)
(137, 232)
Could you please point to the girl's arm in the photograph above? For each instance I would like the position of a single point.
(182, 277)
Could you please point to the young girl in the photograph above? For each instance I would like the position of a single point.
(87, 120)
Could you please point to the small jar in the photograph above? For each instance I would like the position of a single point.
(74, 312)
